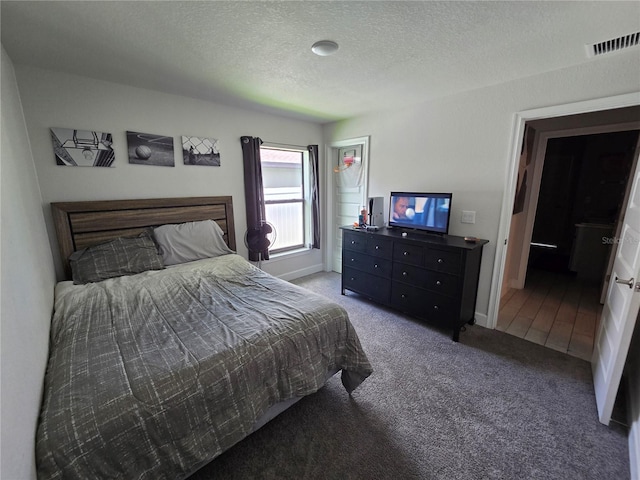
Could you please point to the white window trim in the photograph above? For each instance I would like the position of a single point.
(307, 214)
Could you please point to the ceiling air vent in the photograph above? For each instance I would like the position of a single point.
(614, 45)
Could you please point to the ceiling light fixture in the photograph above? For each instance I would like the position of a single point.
(324, 48)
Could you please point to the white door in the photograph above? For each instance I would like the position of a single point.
(349, 195)
(618, 227)
(620, 309)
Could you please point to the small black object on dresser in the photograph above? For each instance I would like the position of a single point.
(432, 277)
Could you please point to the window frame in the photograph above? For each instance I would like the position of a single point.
(305, 199)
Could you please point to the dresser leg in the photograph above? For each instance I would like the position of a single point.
(472, 321)
(456, 334)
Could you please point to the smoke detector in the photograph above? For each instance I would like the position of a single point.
(324, 48)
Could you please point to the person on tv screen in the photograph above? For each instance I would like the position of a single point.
(401, 210)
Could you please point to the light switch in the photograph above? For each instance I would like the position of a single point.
(468, 216)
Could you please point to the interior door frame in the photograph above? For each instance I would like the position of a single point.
(540, 154)
(332, 157)
(511, 176)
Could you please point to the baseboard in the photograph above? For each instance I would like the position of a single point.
(288, 276)
(482, 319)
(634, 451)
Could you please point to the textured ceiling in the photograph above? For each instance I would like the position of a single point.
(258, 54)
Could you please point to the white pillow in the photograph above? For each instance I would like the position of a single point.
(186, 242)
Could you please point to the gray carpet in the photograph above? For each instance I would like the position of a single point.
(489, 407)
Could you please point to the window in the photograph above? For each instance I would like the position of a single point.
(286, 195)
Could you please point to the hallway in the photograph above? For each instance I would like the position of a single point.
(556, 310)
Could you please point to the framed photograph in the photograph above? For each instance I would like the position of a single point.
(82, 148)
(200, 151)
(149, 149)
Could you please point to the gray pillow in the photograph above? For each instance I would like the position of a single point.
(115, 258)
(186, 242)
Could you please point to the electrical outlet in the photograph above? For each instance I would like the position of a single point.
(468, 216)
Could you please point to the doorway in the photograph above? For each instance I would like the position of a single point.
(348, 162)
(580, 197)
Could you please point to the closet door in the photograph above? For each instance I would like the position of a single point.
(349, 171)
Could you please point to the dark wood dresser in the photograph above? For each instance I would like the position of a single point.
(431, 277)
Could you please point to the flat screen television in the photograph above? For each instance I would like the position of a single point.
(421, 211)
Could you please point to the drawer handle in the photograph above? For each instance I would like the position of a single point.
(375, 266)
(440, 260)
(406, 254)
(377, 247)
(404, 274)
(438, 282)
(403, 296)
(353, 242)
(435, 307)
(352, 279)
(353, 259)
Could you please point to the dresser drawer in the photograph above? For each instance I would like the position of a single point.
(367, 263)
(443, 283)
(436, 282)
(431, 278)
(377, 288)
(354, 241)
(379, 246)
(424, 304)
(407, 253)
(443, 260)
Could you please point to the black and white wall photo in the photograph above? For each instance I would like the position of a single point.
(200, 151)
(82, 148)
(149, 149)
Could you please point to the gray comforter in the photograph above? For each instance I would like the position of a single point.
(153, 375)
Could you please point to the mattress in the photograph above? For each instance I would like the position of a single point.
(154, 375)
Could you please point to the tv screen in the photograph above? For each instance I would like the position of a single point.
(423, 211)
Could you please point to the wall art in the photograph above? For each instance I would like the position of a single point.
(149, 149)
(82, 148)
(200, 151)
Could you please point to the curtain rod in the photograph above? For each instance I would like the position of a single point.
(284, 144)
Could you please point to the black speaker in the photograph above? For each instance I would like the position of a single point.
(376, 211)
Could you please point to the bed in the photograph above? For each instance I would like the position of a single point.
(153, 374)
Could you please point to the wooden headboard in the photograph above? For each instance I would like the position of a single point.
(81, 224)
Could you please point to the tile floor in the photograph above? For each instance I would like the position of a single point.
(556, 310)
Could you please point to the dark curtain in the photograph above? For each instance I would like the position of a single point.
(315, 195)
(257, 242)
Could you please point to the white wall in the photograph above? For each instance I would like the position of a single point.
(634, 414)
(462, 143)
(52, 99)
(27, 280)
(632, 372)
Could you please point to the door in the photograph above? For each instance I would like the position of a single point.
(620, 309)
(350, 195)
(618, 227)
